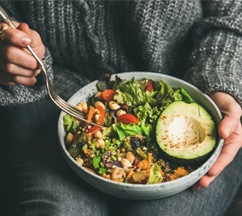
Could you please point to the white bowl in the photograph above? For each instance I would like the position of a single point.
(143, 191)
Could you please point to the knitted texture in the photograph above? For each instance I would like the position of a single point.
(198, 41)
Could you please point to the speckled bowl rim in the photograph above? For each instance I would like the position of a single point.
(202, 169)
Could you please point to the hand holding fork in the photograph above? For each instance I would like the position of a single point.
(21, 67)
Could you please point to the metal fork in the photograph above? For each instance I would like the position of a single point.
(62, 104)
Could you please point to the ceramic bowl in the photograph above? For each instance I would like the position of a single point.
(141, 191)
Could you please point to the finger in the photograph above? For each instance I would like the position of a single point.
(205, 181)
(8, 79)
(14, 69)
(18, 56)
(229, 124)
(25, 28)
(229, 151)
(32, 34)
(231, 111)
(15, 36)
(27, 81)
(231, 146)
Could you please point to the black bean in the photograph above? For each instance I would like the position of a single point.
(135, 142)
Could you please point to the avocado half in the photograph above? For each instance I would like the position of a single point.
(186, 133)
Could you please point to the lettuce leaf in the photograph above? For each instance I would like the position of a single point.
(147, 114)
(181, 94)
(125, 130)
(155, 174)
(147, 117)
(96, 161)
(186, 97)
(70, 123)
(133, 94)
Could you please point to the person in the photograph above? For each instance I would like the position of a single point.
(198, 41)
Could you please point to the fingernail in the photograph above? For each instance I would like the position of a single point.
(25, 41)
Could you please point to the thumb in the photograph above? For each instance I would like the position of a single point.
(228, 125)
(25, 28)
(17, 36)
(231, 111)
(36, 42)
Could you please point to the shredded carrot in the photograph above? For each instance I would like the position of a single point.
(144, 164)
(90, 113)
(130, 174)
(104, 175)
(86, 152)
(172, 177)
(118, 179)
(180, 171)
(149, 158)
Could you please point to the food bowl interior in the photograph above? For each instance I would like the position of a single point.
(141, 191)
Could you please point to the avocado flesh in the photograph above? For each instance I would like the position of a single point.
(186, 131)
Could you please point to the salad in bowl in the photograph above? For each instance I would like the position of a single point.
(145, 131)
(154, 135)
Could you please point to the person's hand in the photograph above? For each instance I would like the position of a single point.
(230, 130)
(17, 65)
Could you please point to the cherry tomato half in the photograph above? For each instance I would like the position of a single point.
(94, 129)
(101, 115)
(149, 86)
(128, 119)
(108, 94)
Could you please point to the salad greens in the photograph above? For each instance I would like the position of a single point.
(124, 149)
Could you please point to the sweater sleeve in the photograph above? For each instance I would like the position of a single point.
(216, 60)
(19, 94)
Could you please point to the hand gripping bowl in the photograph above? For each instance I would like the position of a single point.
(143, 191)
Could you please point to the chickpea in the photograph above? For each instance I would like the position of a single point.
(120, 112)
(98, 135)
(100, 143)
(82, 106)
(126, 163)
(118, 174)
(113, 105)
(99, 103)
(130, 156)
(144, 164)
(79, 161)
(69, 138)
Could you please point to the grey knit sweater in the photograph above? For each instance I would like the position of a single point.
(200, 41)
